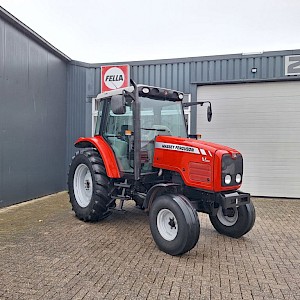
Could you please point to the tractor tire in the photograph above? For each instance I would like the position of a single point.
(174, 224)
(241, 221)
(88, 186)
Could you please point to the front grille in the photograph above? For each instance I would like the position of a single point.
(231, 166)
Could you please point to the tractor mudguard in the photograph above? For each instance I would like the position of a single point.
(157, 190)
(105, 151)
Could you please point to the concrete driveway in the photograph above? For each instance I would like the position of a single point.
(46, 253)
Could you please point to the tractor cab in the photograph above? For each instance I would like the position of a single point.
(161, 114)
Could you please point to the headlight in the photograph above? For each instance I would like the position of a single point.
(238, 178)
(145, 90)
(227, 179)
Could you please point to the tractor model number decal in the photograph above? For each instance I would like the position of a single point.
(176, 147)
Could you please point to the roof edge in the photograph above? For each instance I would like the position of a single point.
(190, 59)
(8, 17)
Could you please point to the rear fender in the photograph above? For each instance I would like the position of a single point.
(105, 151)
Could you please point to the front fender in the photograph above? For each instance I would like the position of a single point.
(105, 151)
(157, 190)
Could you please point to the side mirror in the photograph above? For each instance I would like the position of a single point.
(209, 113)
(118, 104)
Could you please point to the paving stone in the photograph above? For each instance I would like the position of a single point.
(46, 253)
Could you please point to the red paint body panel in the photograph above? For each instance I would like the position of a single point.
(200, 168)
(106, 153)
(200, 172)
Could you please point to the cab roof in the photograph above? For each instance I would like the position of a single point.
(146, 91)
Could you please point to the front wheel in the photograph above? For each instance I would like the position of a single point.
(174, 224)
(238, 222)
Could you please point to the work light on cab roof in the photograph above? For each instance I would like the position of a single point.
(159, 92)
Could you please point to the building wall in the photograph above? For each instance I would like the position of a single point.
(33, 91)
(83, 84)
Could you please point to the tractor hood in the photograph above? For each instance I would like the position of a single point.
(199, 163)
(190, 145)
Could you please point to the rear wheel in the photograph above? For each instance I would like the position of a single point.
(238, 222)
(88, 186)
(174, 224)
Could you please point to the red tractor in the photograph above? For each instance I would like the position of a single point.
(141, 152)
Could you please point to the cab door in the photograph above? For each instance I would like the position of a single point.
(118, 132)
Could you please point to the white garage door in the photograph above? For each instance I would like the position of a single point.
(262, 121)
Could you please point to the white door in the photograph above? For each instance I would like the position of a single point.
(262, 121)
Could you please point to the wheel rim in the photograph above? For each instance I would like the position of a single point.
(83, 185)
(167, 224)
(228, 220)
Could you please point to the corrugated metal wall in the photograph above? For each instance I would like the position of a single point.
(33, 114)
(83, 84)
(181, 74)
(238, 68)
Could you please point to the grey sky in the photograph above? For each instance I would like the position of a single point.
(118, 30)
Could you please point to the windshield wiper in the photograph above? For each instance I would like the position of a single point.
(153, 129)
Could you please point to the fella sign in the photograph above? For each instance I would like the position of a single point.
(114, 77)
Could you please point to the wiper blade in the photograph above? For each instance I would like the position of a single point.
(153, 129)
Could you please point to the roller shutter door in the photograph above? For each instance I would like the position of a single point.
(262, 121)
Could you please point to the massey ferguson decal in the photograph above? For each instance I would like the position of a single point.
(176, 147)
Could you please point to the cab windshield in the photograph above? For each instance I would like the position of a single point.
(161, 117)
